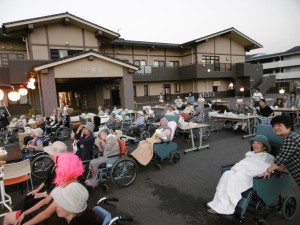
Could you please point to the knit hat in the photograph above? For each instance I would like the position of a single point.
(198, 109)
(140, 112)
(72, 198)
(38, 132)
(56, 148)
(262, 139)
(119, 117)
(90, 126)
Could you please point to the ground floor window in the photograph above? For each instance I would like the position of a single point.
(176, 87)
(146, 90)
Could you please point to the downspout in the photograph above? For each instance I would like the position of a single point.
(27, 49)
(40, 93)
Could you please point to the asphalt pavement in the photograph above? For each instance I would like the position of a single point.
(175, 195)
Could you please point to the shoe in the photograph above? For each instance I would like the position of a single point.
(212, 211)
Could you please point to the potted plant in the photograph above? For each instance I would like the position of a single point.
(31, 112)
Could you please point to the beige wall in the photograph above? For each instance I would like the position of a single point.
(90, 39)
(60, 34)
(38, 36)
(84, 68)
(40, 52)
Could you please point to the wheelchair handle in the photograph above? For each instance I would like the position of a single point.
(106, 199)
(125, 218)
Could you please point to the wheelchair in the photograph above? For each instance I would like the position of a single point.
(119, 169)
(104, 216)
(165, 150)
(265, 197)
(60, 134)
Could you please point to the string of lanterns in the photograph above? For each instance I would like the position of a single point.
(16, 95)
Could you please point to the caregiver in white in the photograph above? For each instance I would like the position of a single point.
(240, 177)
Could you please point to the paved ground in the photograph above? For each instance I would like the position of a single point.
(175, 194)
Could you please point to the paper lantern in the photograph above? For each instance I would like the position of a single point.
(14, 96)
(1, 95)
(23, 91)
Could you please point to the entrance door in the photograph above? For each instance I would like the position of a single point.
(65, 96)
(167, 91)
(115, 96)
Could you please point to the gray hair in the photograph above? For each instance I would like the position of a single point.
(104, 131)
(164, 119)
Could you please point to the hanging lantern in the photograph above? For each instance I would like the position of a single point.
(1, 95)
(14, 96)
(32, 87)
(23, 91)
(32, 80)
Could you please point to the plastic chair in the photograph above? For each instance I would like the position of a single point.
(15, 173)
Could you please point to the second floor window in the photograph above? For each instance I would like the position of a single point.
(134, 91)
(159, 64)
(174, 64)
(61, 53)
(5, 57)
(140, 62)
(206, 59)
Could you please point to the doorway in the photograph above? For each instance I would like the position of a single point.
(115, 96)
(167, 91)
(65, 96)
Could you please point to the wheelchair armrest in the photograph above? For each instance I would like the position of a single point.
(228, 165)
(112, 156)
(276, 173)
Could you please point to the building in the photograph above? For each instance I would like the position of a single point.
(283, 66)
(87, 65)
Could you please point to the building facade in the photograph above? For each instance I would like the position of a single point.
(86, 65)
(284, 66)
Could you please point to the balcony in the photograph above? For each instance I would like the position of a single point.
(185, 72)
(284, 63)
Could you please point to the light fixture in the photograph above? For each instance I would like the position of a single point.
(1, 95)
(281, 91)
(230, 86)
(208, 70)
(14, 95)
(242, 89)
(32, 80)
(23, 91)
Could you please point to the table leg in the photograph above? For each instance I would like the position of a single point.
(193, 143)
(3, 201)
(200, 141)
(249, 129)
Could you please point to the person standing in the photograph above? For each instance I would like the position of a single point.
(257, 96)
(178, 102)
(190, 99)
(161, 99)
(292, 100)
(288, 157)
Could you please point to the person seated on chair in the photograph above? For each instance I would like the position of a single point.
(264, 109)
(37, 141)
(118, 124)
(288, 157)
(172, 110)
(13, 124)
(40, 122)
(111, 121)
(241, 124)
(278, 103)
(149, 112)
(96, 120)
(85, 141)
(134, 129)
(144, 151)
(240, 177)
(108, 145)
(195, 117)
(22, 122)
(68, 168)
(71, 205)
(57, 124)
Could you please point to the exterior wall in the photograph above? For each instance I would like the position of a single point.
(238, 53)
(126, 91)
(40, 52)
(39, 35)
(84, 68)
(60, 34)
(90, 40)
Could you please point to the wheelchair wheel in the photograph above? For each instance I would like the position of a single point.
(123, 172)
(144, 135)
(41, 166)
(289, 207)
(175, 158)
(62, 133)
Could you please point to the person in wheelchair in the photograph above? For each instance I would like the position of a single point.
(13, 124)
(118, 124)
(37, 141)
(144, 151)
(134, 129)
(68, 168)
(57, 124)
(240, 177)
(288, 157)
(85, 140)
(108, 145)
(71, 205)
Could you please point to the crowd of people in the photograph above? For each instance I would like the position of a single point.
(60, 199)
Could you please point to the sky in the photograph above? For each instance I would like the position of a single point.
(275, 24)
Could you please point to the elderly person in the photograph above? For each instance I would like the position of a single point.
(100, 111)
(111, 121)
(97, 122)
(118, 124)
(178, 102)
(68, 168)
(171, 111)
(190, 99)
(240, 177)
(22, 122)
(85, 141)
(108, 145)
(144, 151)
(134, 129)
(37, 141)
(44, 189)
(71, 205)
(288, 157)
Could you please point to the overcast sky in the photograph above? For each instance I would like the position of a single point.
(275, 24)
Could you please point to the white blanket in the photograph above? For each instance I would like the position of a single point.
(238, 180)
